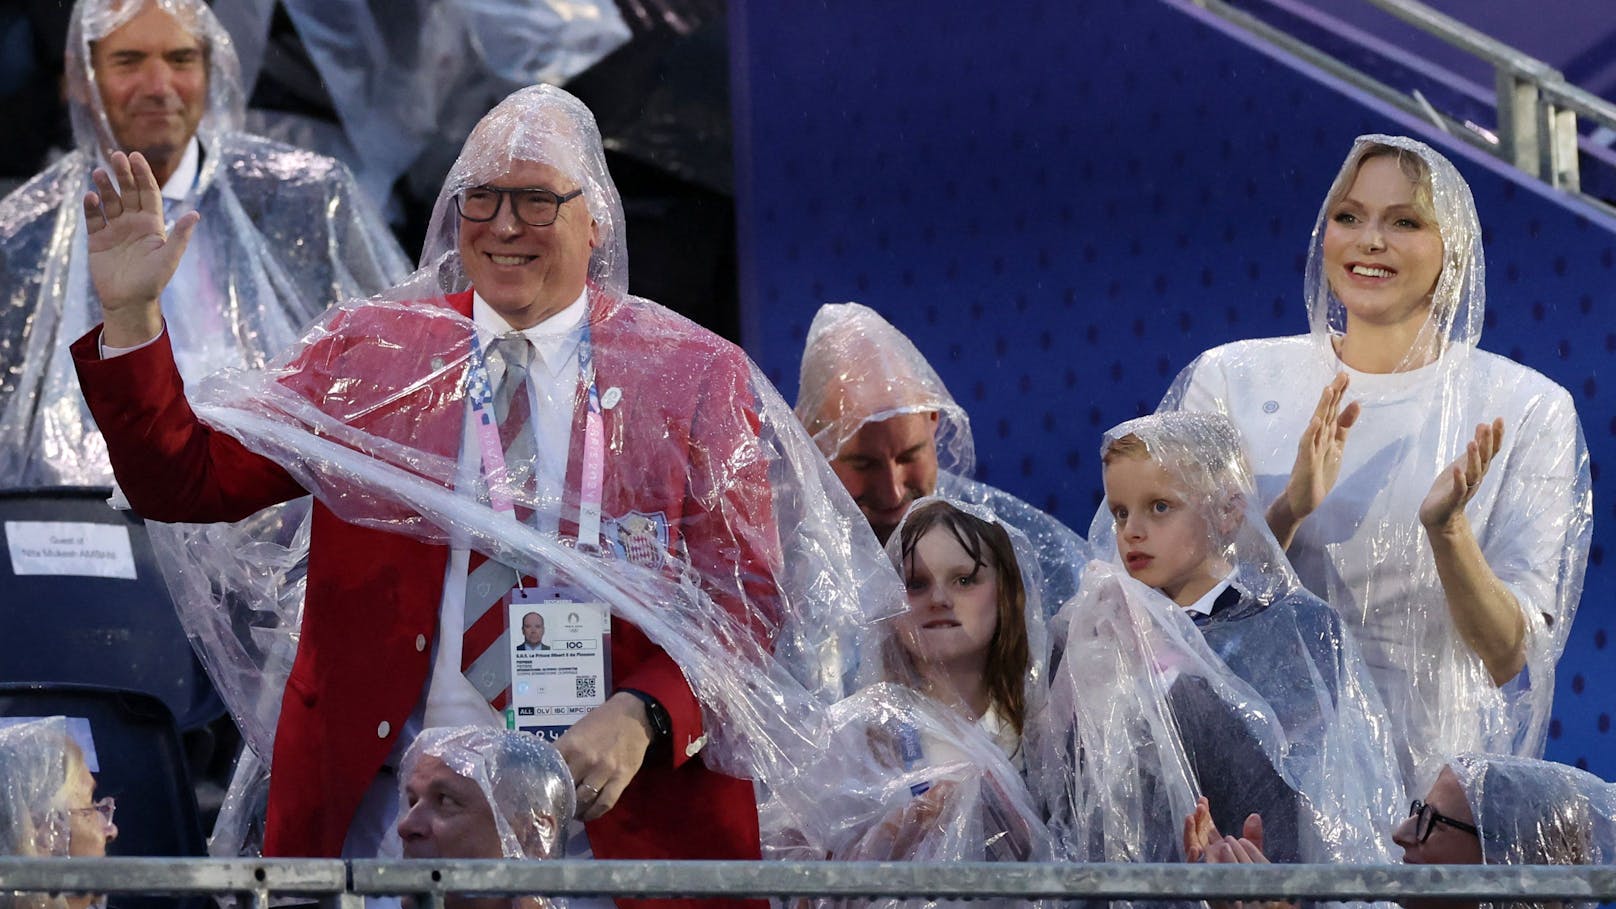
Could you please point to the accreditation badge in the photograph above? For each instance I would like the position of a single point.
(560, 646)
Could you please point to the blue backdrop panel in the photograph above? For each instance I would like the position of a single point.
(1065, 205)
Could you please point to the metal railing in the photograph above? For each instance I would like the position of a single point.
(1537, 110)
(344, 884)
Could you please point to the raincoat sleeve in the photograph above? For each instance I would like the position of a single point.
(728, 530)
(1530, 529)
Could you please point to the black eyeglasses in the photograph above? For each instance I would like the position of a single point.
(533, 207)
(1427, 818)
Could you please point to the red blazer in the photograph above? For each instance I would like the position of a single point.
(682, 454)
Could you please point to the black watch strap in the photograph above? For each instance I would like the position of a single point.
(661, 724)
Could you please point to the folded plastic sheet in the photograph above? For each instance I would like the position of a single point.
(525, 782)
(1112, 762)
(904, 778)
(1534, 812)
(284, 232)
(858, 369)
(1364, 550)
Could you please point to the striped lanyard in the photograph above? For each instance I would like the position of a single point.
(480, 390)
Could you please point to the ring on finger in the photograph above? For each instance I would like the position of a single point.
(594, 793)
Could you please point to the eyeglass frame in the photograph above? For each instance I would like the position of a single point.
(106, 807)
(503, 192)
(1419, 808)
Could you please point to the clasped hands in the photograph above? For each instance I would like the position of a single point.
(1203, 843)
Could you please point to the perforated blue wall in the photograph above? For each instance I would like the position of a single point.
(1062, 207)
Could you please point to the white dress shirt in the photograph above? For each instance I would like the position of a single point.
(1209, 599)
(553, 377)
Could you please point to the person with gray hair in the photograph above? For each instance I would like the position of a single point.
(476, 792)
(48, 805)
(287, 231)
(508, 431)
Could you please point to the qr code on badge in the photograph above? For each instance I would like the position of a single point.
(585, 685)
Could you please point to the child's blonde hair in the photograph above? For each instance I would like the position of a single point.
(1202, 450)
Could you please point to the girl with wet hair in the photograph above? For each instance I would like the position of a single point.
(965, 634)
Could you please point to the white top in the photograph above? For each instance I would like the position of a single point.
(553, 377)
(998, 730)
(1203, 606)
(1364, 550)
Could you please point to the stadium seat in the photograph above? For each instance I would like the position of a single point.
(140, 763)
(115, 631)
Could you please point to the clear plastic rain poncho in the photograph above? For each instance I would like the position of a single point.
(34, 768)
(408, 78)
(905, 773)
(524, 779)
(1364, 550)
(723, 536)
(284, 232)
(858, 369)
(1535, 812)
(1259, 699)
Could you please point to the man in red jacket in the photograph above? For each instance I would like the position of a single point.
(642, 441)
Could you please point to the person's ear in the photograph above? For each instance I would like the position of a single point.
(1231, 515)
(538, 838)
(936, 421)
(594, 234)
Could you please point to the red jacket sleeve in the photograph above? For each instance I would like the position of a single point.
(171, 465)
(729, 532)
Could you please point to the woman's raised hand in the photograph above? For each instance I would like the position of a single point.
(1456, 485)
(1318, 461)
(131, 256)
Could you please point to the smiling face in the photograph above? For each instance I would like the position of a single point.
(953, 603)
(1165, 540)
(1382, 249)
(887, 465)
(526, 273)
(153, 78)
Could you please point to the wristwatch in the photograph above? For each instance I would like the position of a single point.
(661, 724)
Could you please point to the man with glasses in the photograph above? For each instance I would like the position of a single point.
(514, 371)
(1481, 810)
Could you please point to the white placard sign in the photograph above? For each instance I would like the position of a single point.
(70, 548)
(560, 662)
